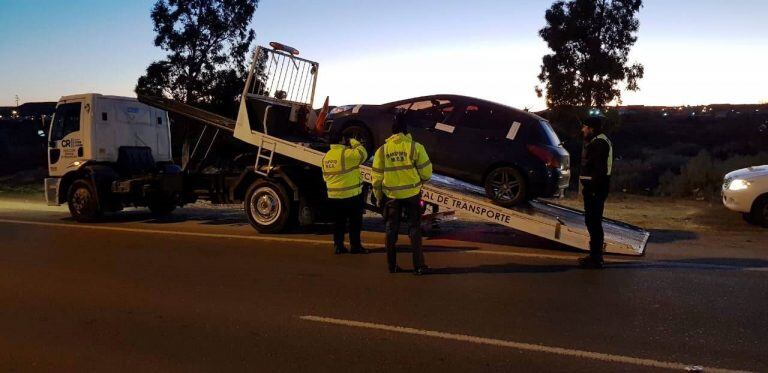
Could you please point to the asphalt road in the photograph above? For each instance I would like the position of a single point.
(202, 291)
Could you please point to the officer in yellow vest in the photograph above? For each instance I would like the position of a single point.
(400, 167)
(341, 172)
(596, 165)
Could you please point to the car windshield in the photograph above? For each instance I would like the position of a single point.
(550, 134)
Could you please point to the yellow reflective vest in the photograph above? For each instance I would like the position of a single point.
(609, 167)
(400, 166)
(341, 169)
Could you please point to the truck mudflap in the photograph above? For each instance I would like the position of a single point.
(52, 190)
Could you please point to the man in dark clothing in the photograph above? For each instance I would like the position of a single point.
(341, 172)
(400, 167)
(596, 164)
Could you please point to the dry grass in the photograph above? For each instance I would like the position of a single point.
(669, 213)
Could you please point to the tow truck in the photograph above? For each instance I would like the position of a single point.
(279, 180)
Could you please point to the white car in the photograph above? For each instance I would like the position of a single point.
(746, 191)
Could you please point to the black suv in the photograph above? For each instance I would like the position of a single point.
(514, 154)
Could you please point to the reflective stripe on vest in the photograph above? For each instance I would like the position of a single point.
(401, 187)
(610, 151)
(400, 172)
(342, 182)
(342, 189)
(422, 165)
(394, 168)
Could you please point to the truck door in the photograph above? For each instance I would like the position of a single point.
(65, 142)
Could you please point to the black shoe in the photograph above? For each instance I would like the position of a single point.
(395, 269)
(359, 250)
(340, 250)
(589, 263)
(423, 270)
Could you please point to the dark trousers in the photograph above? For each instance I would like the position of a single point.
(392, 216)
(347, 210)
(594, 204)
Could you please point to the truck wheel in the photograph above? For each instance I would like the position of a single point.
(759, 213)
(505, 186)
(267, 206)
(81, 201)
(160, 207)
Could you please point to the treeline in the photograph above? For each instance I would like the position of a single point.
(21, 146)
(685, 157)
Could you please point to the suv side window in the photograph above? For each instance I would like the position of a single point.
(66, 121)
(485, 117)
(428, 111)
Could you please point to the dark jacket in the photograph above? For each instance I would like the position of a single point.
(594, 165)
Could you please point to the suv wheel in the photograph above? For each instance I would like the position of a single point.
(359, 133)
(505, 186)
(759, 213)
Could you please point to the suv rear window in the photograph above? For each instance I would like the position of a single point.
(544, 134)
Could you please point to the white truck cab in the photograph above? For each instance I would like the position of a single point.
(91, 128)
(746, 191)
(105, 152)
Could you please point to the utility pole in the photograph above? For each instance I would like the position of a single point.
(17, 101)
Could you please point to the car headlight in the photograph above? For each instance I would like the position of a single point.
(739, 184)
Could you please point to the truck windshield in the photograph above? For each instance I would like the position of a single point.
(65, 121)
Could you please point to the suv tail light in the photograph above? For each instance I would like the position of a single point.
(545, 155)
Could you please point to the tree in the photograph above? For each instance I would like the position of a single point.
(207, 43)
(590, 41)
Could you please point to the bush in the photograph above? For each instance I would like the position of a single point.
(702, 176)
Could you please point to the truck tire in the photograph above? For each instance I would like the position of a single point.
(759, 213)
(267, 206)
(82, 201)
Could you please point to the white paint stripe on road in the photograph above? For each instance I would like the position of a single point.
(611, 358)
(640, 263)
(757, 269)
(246, 237)
(325, 242)
(526, 255)
(159, 231)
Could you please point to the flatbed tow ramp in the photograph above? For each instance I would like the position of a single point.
(543, 219)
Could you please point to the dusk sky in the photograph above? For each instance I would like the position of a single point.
(694, 51)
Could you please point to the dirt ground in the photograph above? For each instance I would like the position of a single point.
(660, 213)
(651, 213)
(677, 226)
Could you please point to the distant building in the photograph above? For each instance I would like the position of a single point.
(6, 112)
(36, 110)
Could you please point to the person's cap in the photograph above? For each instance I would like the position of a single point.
(399, 124)
(335, 137)
(595, 123)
